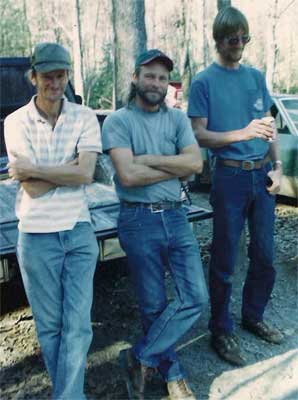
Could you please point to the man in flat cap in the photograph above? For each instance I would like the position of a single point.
(52, 146)
(152, 146)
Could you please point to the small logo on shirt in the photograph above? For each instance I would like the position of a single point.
(258, 106)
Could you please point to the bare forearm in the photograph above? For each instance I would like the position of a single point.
(255, 129)
(178, 165)
(36, 188)
(212, 139)
(75, 172)
(142, 175)
(66, 175)
(131, 174)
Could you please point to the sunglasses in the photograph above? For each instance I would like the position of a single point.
(234, 40)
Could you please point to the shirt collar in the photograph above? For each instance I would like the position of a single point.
(37, 116)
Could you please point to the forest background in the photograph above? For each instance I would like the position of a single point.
(105, 36)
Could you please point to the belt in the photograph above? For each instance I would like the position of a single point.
(247, 165)
(159, 206)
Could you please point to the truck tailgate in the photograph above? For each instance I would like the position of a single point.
(103, 205)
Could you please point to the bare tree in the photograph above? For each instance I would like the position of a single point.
(205, 35)
(290, 63)
(223, 4)
(186, 58)
(77, 50)
(26, 19)
(36, 21)
(130, 39)
(272, 46)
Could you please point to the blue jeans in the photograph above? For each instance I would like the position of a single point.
(238, 195)
(151, 241)
(57, 270)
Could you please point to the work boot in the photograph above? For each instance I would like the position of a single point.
(264, 331)
(227, 347)
(179, 390)
(136, 375)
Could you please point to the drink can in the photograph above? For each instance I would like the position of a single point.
(271, 121)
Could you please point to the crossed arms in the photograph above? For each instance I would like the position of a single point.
(38, 180)
(148, 169)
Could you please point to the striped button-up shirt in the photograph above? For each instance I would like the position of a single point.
(27, 133)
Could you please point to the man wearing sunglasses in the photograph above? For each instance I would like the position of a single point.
(227, 103)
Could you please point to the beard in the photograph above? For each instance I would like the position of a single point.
(235, 57)
(151, 97)
(232, 55)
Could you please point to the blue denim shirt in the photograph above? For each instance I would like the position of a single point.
(230, 99)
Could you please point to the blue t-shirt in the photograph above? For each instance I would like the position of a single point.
(165, 132)
(230, 99)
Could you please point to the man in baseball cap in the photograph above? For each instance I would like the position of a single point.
(151, 146)
(52, 148)
(154, 55)
(50, 57)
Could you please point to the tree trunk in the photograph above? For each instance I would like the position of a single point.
(205, 34)
(130, 39)
(290, 64)
(186, 58)
(77, 50)
(272, 49)
(28, 25)
(221, 4)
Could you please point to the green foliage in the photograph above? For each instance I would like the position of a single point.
(175, 75)
(99, 84)
(14, 30)
(293, 90)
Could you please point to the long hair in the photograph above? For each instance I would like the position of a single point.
(132, 89)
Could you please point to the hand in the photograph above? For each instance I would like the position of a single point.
(257, 129)
(275, 176)
(20, 169)
(178, 104)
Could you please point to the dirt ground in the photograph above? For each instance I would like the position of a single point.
(272, 370)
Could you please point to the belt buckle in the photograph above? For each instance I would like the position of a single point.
(156, 208)
(248, 165)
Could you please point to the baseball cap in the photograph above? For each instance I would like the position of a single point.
(151, 55)
(50, 57)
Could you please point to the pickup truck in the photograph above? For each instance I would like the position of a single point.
(102, 200)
